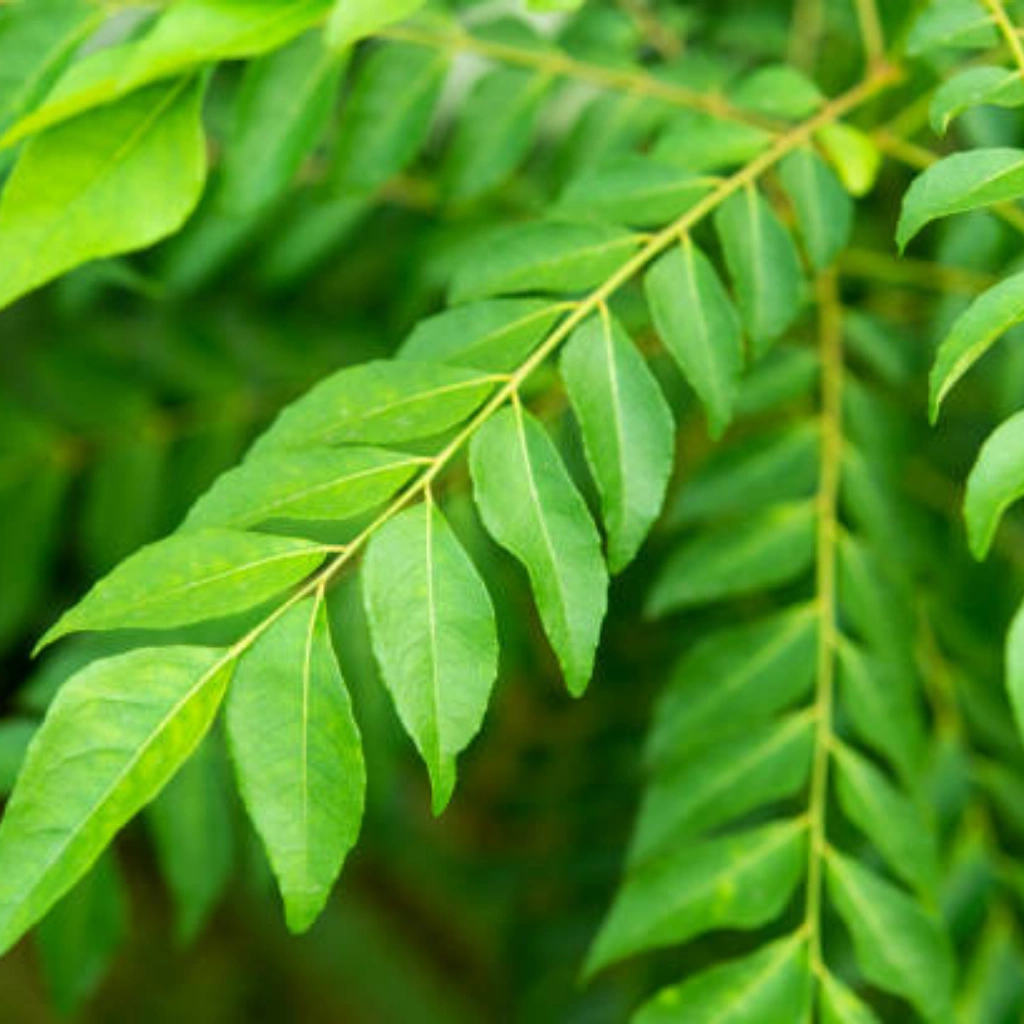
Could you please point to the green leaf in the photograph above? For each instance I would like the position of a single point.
(741, 881)
(768, 468)
(854, 155)
(552, 258)
(995, 483)
(768, 549)
(36, 40)
(15, 736)
(434, 636)
(85, 189)
(958, 183)
(698, 325)
(530, 506)
(778, 91)
(890, 820)
(633, 190)
(284, 105)
(352, 20)
(840, 1006)
(899, 947)
(554, 5)
(628, 431)
(191, 827)
(973, 333)
(710, 783)
(763, 264)
(773, 984)
(952, 23)
(494, 132)
(494, 335)
(974, 87)
(879, 711)
(79, 937)
(757, 670)
(113, 738)
(698, 142)
(191, 577)
(318, 483)
(387, 116)
(824, 210)
(1015, 667)
(188, 34)
(380, 402)
(298, 756)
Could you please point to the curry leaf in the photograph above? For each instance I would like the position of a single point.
(434, 636)
(531, 507)
(298, 756)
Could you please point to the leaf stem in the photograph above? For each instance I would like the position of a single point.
(871, 32)
(1008, 30)
(831, 346)
(634, 82)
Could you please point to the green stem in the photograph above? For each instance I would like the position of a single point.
(831, 345)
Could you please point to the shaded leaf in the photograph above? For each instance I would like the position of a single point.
(387, 116)
(192, 832)
(773, 984)
(890, 820)
(80, 936)
(899, 947)
(633, 190)
(550, 258)
(283, 107)
(707, 784)
(740, 881)
(777, 90)
(495, 130)
(824, 210)
(766, 469)
(763, 264)
(735, 678)
(766, 550)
